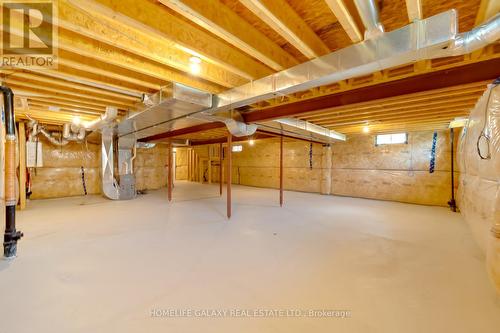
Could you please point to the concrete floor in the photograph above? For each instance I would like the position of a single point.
(92, 265)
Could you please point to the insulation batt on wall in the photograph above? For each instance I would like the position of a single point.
(479, 190)
(181, 164)
(61, 174)
(397, 172)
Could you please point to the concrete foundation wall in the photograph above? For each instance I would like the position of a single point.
(354, 168)
(61, 174)
(181, 164)
(394, 172)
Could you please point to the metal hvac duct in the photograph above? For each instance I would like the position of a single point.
(11, 235)
(422, 39)
(429, 38)
(178, 106)
(368, 11)
(103, 120)
(467, 42)
(112, 189)
(235, 127)
(301, 129)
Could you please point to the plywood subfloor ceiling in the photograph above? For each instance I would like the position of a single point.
(113, 51)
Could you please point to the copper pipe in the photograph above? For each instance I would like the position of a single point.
(229, 173)
(220, 169)
(281, 171)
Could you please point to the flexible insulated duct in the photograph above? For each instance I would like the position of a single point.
(11, 236)
(236, 128)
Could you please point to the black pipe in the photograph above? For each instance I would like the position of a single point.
(11, 236)
(452, 203)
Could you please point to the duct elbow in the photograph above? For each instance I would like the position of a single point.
(470, 41)
(110, 115)
(239, 129)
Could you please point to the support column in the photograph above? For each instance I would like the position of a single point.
(229, 178)
(189, 164)
(326, 170)
(170, 174)
(281, 171)
(220, 169)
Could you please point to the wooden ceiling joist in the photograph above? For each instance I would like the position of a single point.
(73, 44)
(406, 122)
(69, 66)
(220, 20)
(449, 113)
(50, 81)
(52, 100)
(410, 110)
(398, 127)
(119, 35)
(58, 117)
(106, 53)
(284, 20)
(153, 19)
(456, 102)
(102, 83)
(25, 91)
(476, 72)
(73, 93)
(487, 9)
(347, 21)
(37, 106)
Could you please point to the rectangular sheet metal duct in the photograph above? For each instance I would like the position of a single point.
(416, 41)
(165, 111)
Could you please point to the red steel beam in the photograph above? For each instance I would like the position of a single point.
(480, 71)
(272, 134)
(257, 136)
(183, 131)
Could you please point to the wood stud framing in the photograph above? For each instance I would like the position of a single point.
(113, 51)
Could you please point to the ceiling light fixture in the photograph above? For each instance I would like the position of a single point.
(195, 65)
(366, 129)
(76, 120)
(251, 142)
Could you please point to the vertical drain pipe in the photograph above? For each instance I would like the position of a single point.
(11, 236)
(452, 203)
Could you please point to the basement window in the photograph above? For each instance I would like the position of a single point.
(237, 148)
(390, 139)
